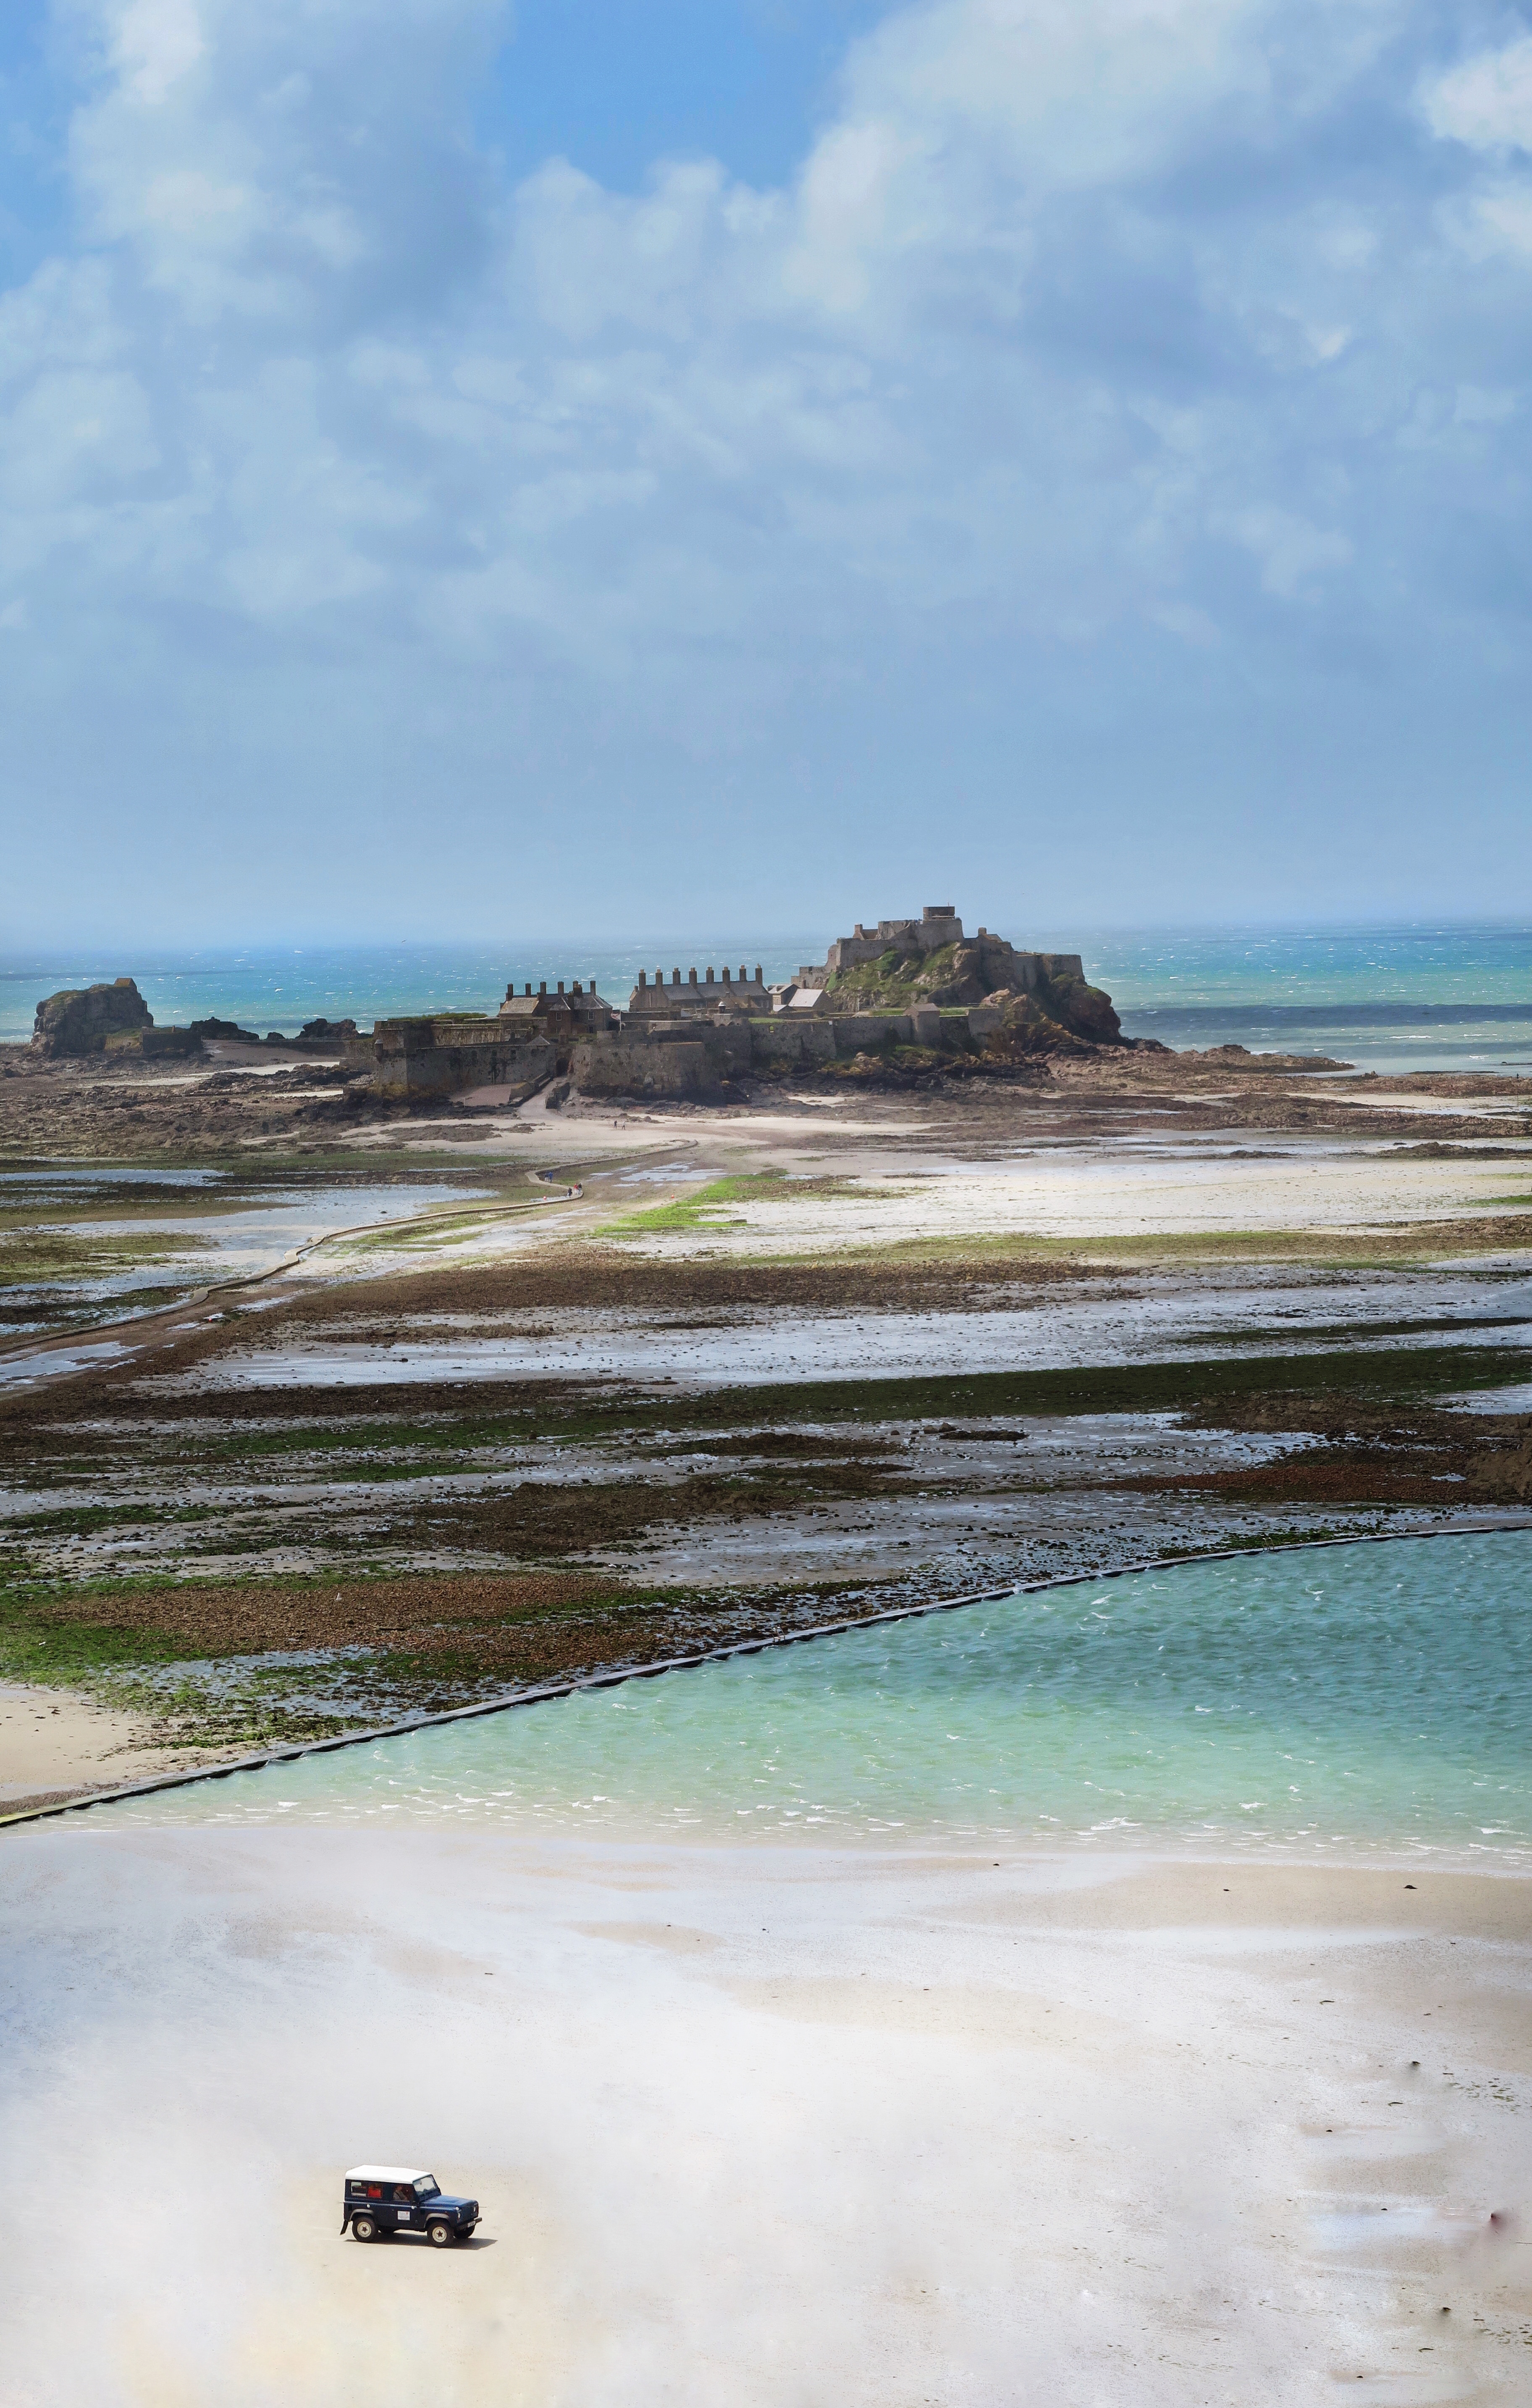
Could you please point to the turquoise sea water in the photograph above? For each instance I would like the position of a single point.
(1327, 1702)
(1387, 998)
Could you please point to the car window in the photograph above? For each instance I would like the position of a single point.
(427, 2186)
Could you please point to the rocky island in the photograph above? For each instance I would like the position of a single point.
(916, 1000)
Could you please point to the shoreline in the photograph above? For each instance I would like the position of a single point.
(46, 1806)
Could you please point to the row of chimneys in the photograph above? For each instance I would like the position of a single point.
(691, 977)
(542, 987)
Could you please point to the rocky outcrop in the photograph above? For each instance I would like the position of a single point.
(83, 1019)
(1067, 997)
(986, 970)
(226, 1032)
(315, 1036)
(1025, 1028)
(158, 1044)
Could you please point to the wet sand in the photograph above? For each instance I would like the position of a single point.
(762, 2125)
(55, 1743)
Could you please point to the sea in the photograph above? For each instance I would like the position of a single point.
(1345, 1701)
(1410, 998)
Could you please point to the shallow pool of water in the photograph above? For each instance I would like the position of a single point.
(1373, 1697)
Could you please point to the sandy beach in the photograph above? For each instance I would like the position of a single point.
(771, 2126)
(55, 1743)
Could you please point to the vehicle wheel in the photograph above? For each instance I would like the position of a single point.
(440, 2234)
(363, 2229)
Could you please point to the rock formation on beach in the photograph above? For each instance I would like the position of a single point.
(79, 1019)
(111, 1018)
(227, 1031)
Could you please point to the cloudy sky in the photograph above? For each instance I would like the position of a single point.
(629, 464)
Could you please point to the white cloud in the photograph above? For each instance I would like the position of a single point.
(1477, 407)
(980, 347)
(1494, 221)
(1067, 318)
(1487, 101)
(155, 43)
(1293, 554)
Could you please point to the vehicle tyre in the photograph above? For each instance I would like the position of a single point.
(440, 2234)
(363, 2229)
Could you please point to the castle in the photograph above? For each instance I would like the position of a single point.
(938, 926)
(936, 991)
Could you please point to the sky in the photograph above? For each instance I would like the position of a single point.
(599, 465)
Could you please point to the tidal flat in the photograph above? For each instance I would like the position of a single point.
(421, 1405)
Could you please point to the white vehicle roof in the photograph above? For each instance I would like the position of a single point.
(388, 2174)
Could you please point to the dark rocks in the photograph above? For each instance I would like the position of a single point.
(989, 971)
(85, 1019)
(228, 1031)
(1061, 1014)
(162, 1044)
(115, 1019)
(1084, 1010)
(1026, 1028)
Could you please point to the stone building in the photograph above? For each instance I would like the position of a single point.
(559, 1016)
(682, 999)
